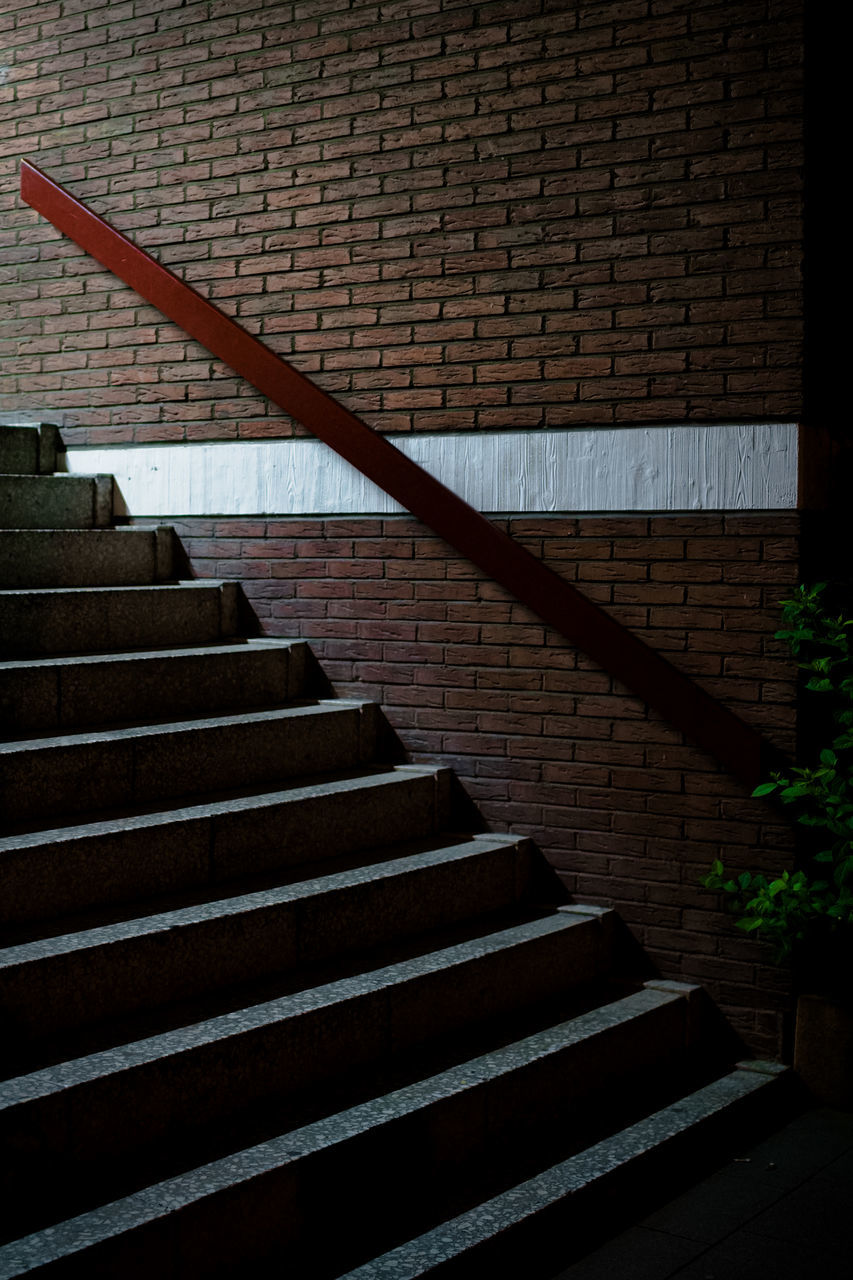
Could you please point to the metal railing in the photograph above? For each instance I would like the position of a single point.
(622, 654)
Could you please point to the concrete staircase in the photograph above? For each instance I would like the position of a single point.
(267, 1000)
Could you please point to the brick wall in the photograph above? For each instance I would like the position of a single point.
(526, 213)
(514, 214)
(547, 744)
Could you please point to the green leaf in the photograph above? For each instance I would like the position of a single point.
(751, 924)
(787, 907)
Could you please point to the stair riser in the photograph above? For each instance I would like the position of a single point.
(411, 1161)
(55, 502)
(47, 781)
(19, 450)
(246, 840)
(42, 879)
(116, 1116)
(455, 1140)
(29, 450)
(93, 558)
(96, 621)
(55, 993)
(70, 693)
(559, 1215)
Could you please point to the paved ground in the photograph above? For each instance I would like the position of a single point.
(783, 1210)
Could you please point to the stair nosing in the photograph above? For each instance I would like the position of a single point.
(251, 644)
(194, 584)
(245, 903)
(188, 725)
(142, 1208)
(422, 1254)
(87, 1070)
(379, 775)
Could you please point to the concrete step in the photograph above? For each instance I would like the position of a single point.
(78, 773)
(386, 1161)
(55, 502)
(85, 557)
(28, 450)
(69, 620)
(117, 1106)
(181, 983)
(51, 873)
(61, 694)
(563, 1208)
(19, 451)
(58, 983)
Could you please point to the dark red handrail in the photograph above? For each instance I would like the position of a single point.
(621, 653)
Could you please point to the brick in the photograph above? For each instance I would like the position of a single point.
(611, 259)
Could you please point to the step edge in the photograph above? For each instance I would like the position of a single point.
(88, 1070)
(254, 716)
(143, 1208)
(241, 904)
(425, 1254)
(251, 644)
(206, 809)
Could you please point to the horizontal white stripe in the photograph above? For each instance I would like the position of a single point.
(676, 468)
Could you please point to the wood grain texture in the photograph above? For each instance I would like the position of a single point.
(679, 468)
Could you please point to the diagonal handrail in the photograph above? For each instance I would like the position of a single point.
(704, 719)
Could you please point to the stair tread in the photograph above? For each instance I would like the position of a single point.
(292, 711)
(245, 903)
(74, 1072)
(122, 530)
(88, 691)
(237, 645)
(152, 815)
(104, 915)
(451, 1240)
(189, 584)
(212, 994)
(463, 1082)
(49, 478)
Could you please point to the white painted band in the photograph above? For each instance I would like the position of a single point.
(674, 468)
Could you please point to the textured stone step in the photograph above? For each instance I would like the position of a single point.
(44, 778)
(56, 983)
(116, 1104)
(97, 619)
(28, 450)
(557, 1209)
(55, 502)
(388, 1160)
(168, 954)
(44, 874)
(85, 557)
(61, 694)
(19, 450)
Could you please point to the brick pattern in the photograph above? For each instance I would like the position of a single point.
(546, 743)
(519, 213)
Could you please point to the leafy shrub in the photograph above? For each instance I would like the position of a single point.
(795, 906)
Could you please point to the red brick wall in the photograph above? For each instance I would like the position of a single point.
(514, 214)
(526, 213)
(546, 743)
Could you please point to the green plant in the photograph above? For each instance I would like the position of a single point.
(796, 905)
